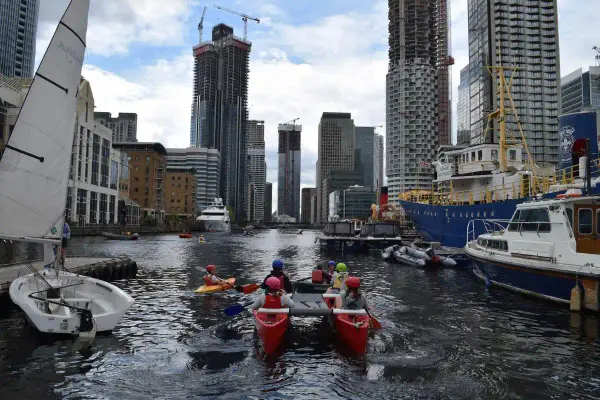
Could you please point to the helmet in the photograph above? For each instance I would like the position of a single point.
(277, 264)
(330, 263)
(353, 282)
(211, 268)
(273, 283)
(341, 267)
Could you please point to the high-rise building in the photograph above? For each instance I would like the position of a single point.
(522, 36)
(205, 163)
(378, 162)
(18, 28)
(123, 127)
(339, 180)
(417, 91)
(219, 109)
(364, 153)
(307, 195)
(336, 153)
(353, 202)
(288, 174)
(580, 91)
(268, 202)
(463, 135)
(257, 171)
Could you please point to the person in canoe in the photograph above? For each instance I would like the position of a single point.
(340, 275)
(277, 272)
(352, 297)
(210, 279)
(274, 298)
(202, 240)
(319, 275)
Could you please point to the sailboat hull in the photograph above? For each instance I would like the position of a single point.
(107, 303)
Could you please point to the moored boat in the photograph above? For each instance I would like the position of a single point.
(216, 288)
(271, 329)
(185, 235)
(550, 250)
(120, 236)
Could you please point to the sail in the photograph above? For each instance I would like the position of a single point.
(34, 168)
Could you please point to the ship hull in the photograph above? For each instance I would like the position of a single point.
(214, 226)
(448, 224)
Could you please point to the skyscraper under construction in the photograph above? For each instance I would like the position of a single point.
(219, 109)
(417, 91)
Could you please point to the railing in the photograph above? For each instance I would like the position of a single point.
(488, 226)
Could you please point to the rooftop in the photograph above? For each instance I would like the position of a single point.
(156, 146)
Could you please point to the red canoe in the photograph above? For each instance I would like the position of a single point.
(271, 329)
(353, 330)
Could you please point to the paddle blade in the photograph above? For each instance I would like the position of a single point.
(234, 310)
(374, 324)
(250, 288)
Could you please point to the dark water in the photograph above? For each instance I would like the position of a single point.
(444, 336)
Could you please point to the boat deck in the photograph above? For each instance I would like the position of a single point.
(75, 265)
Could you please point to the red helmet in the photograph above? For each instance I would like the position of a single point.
(211, 268)
(353, 282)
(273, 283)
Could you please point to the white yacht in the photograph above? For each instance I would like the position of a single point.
(215, 218)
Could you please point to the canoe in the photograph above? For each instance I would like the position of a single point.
(353, 330)
(271, 329)
(216, 288)
(185, 235)
(116, 236)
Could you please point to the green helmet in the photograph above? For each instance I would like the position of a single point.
(341, 267)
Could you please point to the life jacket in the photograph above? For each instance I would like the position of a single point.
(281, 281)
(272, 301)
(339, 279)
(208, 281)
(352, 302)
(317, 276)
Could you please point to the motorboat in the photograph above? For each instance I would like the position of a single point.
(215, 218)
(33, 191)
(120, 236)
(550, 250)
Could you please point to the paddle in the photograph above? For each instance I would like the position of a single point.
(247, 289)
(374, 323)
(235, 309)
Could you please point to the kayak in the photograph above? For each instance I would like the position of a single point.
(307, 287)
(353, 330)
(271, 329)
(185, 235)
(216, 288)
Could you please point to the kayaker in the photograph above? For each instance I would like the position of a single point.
(341, 272)
(328, 276)
(274, 298)
(352, 297)
(278, 273)
(318, 275)
(210, 279)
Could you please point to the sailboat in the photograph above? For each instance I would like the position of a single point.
(34, 172)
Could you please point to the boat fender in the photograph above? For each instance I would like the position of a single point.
(448, 262)
(576, 298)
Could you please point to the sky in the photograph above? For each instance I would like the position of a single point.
(308, 57)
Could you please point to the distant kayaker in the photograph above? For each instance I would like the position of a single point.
(210, 279)
(328, 276)
(341, 272)
(274, 298)
(352, 297)
(318, 275)
(277, 272)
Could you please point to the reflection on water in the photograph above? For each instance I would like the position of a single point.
(444, 336)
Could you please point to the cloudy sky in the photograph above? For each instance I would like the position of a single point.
(308, 56)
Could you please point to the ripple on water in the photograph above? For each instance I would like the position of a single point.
(444, 335)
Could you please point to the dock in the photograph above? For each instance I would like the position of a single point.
(106, 269)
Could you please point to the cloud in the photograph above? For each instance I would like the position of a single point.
(160, 93)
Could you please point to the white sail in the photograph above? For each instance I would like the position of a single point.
(33, 190)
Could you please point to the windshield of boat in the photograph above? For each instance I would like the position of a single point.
(213, 213)
(530, 220)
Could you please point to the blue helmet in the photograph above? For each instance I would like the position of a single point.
(277, 264)
(331, 263)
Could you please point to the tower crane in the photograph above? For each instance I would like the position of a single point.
(245, 18)
(292, 122)
(201, 24)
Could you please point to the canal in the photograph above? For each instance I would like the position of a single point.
(445, 335)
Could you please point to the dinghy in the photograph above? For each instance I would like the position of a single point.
(34, 173)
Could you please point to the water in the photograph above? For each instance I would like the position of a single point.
(444, 335)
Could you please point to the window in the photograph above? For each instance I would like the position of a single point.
(147, 160)
(104, 164)
(135, 190)
(137, 158)
(512, 155)
(95, 159)
(598, 221)
(473, 156)
(569, 212)
(585, 221)
(479, 155)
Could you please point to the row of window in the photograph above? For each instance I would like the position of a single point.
(494, 244)
(533, 220)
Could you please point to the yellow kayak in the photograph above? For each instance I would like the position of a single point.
(216, 288)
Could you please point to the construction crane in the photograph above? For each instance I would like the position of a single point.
(245, 18)
(292, 122)
(597, 55)
(201, 24)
